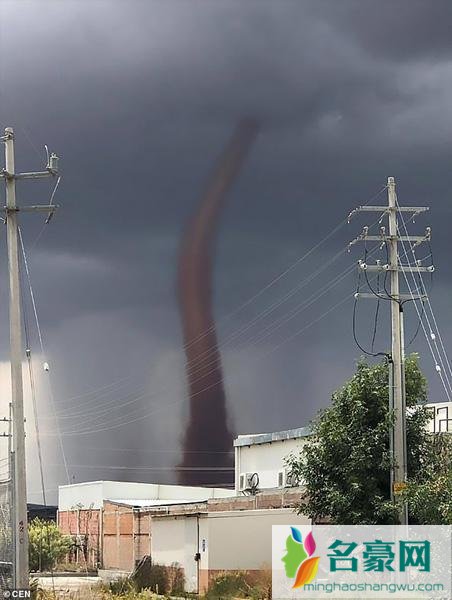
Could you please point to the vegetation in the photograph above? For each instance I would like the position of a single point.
(240, 584)
(429, 496)
(154, 578)
(346, 463)
(47, 545)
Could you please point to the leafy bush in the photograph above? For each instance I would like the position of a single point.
(228, 585)
(120, 586)
(47, 545)
(176, 579)
(241, 584)
(156, 579)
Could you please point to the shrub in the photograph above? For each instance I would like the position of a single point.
(241, 584)
(176, 579)
(228, 585)
(47, 545)
(122, 585)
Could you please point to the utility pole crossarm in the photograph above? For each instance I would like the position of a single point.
(402, 297)
(385, 209)
(399, 238)
(399, 268)
(34, 208)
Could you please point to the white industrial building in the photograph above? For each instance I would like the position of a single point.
(206, 531)
(92, 494)
(260, 458)
(441, 421)
(232, 540)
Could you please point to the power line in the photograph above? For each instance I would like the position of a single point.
(255, 296)
(431, 311)
(309, 302)
(177, 402)
(38, 327)
(445, 382)
(107, 407)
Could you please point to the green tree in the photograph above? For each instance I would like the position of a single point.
(346, 464)
(47, 545)
(429, 494)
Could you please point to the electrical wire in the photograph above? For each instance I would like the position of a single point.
(38, 327)
(306, 304)
(280, 275)
(107, 406)
(431, 311)
(33, 390)
(226, 344)
(259, 292)
(178, 402)
(355, 337)
(427, 337)
(377, 311)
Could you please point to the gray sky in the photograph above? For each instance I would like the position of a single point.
(138, 98)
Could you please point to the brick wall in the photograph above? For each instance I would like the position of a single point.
(83, 526)
(284, 498)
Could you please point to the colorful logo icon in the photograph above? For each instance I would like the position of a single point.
(298, 561)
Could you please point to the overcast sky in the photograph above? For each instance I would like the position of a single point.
(138, 98)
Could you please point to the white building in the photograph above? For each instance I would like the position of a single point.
(441, 421)
(235, 533)
(206, 531)
(92, 494)
(260, 459)
(208, 543)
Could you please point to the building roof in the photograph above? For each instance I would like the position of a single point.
(139, 503)
(251, 439)
(91, 494)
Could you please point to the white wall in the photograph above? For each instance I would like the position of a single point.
(92, 494)
(441, 417)
(265, 459)
(85, 495)
(175, 540)
(242, 539)
(230, 540)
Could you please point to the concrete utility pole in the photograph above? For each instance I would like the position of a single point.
(397, 358)
(20, 531)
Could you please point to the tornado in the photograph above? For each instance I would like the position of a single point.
(207, 444)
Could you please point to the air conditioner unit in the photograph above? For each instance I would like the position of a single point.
(287, 478)
(248, 482)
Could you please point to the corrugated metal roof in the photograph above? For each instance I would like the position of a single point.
(267, 438)
(150, 503)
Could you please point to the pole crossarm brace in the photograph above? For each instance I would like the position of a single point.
(400, 238)
(388, 209)
(384, 239)
(34, 207)
(31, 175)
(402, 297)
(400, 268)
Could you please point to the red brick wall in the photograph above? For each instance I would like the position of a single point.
(126, 536)
(83, 526)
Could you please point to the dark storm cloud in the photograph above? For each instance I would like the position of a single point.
(405, 31)
(139, 98)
